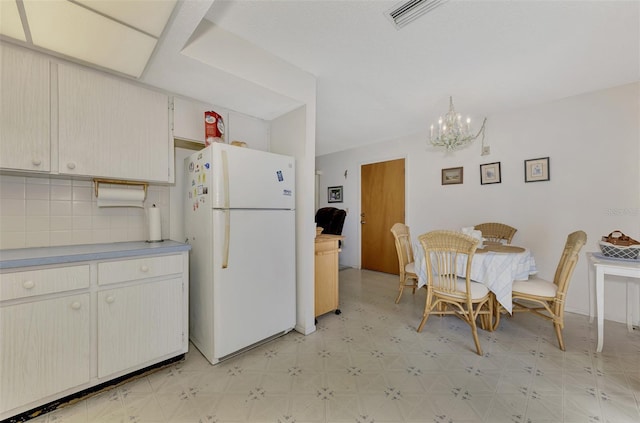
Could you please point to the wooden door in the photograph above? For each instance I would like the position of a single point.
(382, 205)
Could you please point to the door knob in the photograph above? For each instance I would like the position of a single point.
(362, 222)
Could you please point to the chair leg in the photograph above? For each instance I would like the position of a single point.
(427, 310)
(474, 331)
(497, 310)
(486, 320)
(558, 328)
(400, 292)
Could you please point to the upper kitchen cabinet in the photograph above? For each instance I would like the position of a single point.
(111, 128)
(25, 110)
(188, 119)
(253, 131)
(188, 124)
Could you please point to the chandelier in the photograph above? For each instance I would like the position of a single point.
(451, 133)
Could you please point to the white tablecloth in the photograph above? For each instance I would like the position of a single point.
(495, 270)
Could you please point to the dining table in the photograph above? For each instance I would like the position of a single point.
(494, 265)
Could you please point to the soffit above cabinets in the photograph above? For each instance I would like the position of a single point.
(10, 24)
(116, 35)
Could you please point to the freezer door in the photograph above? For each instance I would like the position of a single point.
(254, 282)
(246, 178)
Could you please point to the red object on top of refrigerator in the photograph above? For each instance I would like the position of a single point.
(213, 128)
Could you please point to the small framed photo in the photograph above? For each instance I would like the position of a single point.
(452, 175)
(334, 194)
(536, 170)
(490, 173)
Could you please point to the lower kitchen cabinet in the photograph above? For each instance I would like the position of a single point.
(137, 324)
(45, 348)
(69, 327)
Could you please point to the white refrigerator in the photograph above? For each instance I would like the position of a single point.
(240, 222)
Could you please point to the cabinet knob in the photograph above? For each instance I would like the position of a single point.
(36, 162)
(76, 305)
(144, 268)
(110, 299)
(28, 284)
(71, 165)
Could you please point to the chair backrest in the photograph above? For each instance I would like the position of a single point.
(496, 232)
(331, 220)
(404, 248)
(443, 251)
(568, 260)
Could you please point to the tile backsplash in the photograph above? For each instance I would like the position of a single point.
(46, 211)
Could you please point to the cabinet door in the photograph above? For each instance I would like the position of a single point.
(45, 349)
(326, 276)
(255, 132)
(188, 119)
(24, 110)
(111, 128)
(138, 324)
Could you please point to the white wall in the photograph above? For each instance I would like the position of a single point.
(593, 141)
(286, 133)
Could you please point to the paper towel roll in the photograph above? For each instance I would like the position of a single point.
(155, 223)
(120, 197)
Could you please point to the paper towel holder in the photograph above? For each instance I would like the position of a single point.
(98, 181)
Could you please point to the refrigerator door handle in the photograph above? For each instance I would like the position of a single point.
(227, 230)
(225, 179)
(227, 215)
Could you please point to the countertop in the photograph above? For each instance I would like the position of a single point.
(22, 257)
(328, 237)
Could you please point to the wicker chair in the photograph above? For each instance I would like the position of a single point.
(496, 232)
(404, 249)
(459, 295)
(546, 299)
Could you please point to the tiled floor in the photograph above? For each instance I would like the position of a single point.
(370, 365)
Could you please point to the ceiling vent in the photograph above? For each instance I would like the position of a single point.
(404, 13)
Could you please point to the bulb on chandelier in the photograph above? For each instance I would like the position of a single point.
(451, 133)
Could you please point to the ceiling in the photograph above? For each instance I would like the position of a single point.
(376, 83)
(116, 35)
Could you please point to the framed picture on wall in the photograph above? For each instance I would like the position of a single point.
(334, 194)
(490, 173)
(536, 170)
(452, 175)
